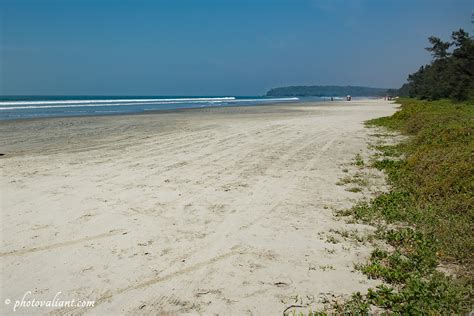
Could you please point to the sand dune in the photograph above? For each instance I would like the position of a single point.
(225, 210)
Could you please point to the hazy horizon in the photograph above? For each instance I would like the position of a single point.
(215, 48)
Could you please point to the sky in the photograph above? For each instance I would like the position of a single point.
(216, 47)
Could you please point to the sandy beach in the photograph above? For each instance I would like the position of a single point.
(212, 211)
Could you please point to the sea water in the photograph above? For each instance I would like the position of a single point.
(21, 107)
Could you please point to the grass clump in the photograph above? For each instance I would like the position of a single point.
(332, 240)
(358, 160)
(388, 151)
(354, 189)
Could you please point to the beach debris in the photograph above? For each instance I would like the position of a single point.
(292, 306)
(281, 284)
(148, 243)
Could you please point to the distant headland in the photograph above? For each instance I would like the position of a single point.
(327, 91)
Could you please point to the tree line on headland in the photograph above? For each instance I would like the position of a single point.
(326, 91)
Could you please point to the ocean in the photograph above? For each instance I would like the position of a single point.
(21, 107)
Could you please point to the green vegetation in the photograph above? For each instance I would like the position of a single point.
(434, 184)
(358, 161)
(326, 91)
(416, 286)
(450, 74)
(430, 206)
(356, 179)
(354, 189)
(332, 240)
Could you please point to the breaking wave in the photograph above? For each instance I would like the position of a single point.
(19, 105)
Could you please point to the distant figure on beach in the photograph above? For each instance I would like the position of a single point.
(348, 98)
(332, 99)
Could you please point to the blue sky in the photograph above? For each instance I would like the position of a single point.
(219, 47)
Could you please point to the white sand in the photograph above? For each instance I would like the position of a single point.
(208, 211)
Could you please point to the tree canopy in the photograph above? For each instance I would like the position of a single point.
(449, 75)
